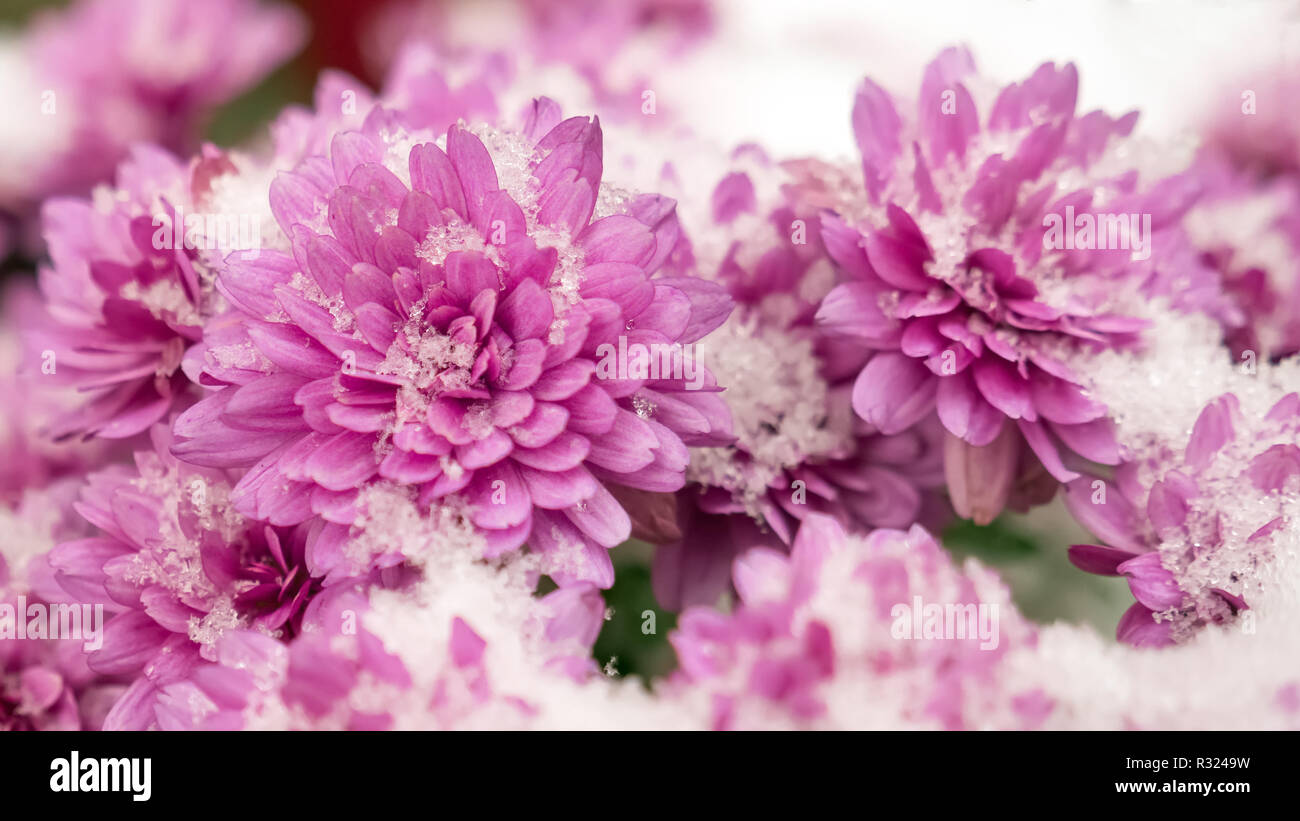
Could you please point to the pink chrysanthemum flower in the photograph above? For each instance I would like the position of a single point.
(954, 279)
(1170, 542)
(831, 636)
(439, 326)
(32, 461)
(1249, 233)
(799, 449)
(130, 284)
(121, 306)
(175, 568)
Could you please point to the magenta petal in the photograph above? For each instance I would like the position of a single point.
(617, 238)
(526, 365)
(468, 274)
(546, 422)
(410, 468)
(1271, 470)
(1104, 511)
(499, 497)
(526, 313)
(1093, 440)
(563, 380)
(965, 413)
(1138, 628)
(558, 490)
(164, 608)
(1151, 583)
(1040, 441)
(853, 309)
(876, 127)
(291, 349)
(980, 478)
(901, 264)
(817, 536)
(1213, 430)
(266, 404)
(486, 451)
(473, 166)
(602, 518)
(344, 461)
(1169, 501)
(759, 574)
(572, 556)
(1003, 387)
(130, 639)
(39, 689)
(466, 647)
(628, 446)
(1062, 401)
(203, 439)
(1093, 558)
(349, 150)
(733, 196)
(711, 304)
(893, 392)
(563, 452)
(432, 173)
(947, 131)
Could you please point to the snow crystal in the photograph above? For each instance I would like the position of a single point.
(779, 422)
(165, 299)
(1155, 397)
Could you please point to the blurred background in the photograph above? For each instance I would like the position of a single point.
(783, 74)
(785, 71)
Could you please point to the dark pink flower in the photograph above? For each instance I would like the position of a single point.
(439, 327)
(1248, 233)
(1168, 539)
(32, 461)
(176, 568)
(953, 278)
(121, 308)
(799, 449)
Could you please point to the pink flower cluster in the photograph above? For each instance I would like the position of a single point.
(349, 427)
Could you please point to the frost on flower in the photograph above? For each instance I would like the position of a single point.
(467, 645)
(798, 448)
(130, 285)
(827, 637)
(121, 307)
(176, 568)
(420, 359)
(32, 461)
(438, 326)
(1198, 515)
(1249, 232)
(954, 282)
